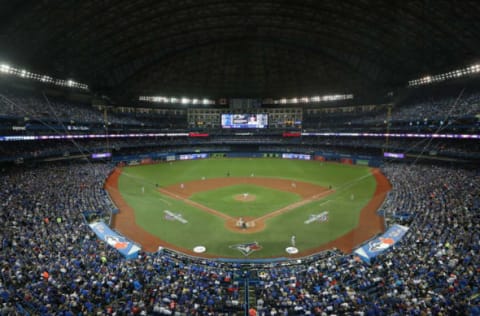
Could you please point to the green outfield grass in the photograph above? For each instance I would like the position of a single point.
(209, 230)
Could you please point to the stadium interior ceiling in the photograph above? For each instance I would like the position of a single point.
(225, 48)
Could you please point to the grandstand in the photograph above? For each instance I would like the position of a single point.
(88, 89)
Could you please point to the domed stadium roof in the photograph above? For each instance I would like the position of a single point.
(252, 48)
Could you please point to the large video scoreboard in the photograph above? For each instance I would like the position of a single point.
(252, 120)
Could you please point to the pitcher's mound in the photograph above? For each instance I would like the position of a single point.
(245, 197)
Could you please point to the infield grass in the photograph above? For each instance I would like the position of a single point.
(265, 201)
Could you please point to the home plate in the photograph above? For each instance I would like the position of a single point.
(291, 250)
(199, 249)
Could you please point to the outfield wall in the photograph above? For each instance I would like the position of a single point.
(318, 156)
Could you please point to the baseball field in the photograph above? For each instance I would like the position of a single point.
(248, 207)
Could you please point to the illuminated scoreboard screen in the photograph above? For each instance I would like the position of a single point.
(256, 120)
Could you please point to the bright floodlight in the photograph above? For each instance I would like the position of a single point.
(317, 98)
(4, 68)
(447, 75)
(173, 100)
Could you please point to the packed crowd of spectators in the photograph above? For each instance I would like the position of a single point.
(376, 147)
(418, 114)
(440, 109)
(403, 145)
(35, 105)
(9, 151)
(47, 148)
(432, 109)
(51, 262)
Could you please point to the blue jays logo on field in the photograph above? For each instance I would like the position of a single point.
(247, 248)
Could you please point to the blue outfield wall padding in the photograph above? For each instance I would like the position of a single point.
(244, 155)
(159, 155)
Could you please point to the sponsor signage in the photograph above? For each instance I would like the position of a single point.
(380, 244)
(126, 247)
(296, 156)
(192, 134)
(394, 155)
(77, 128)
(146, 135)
(291, 134)
(101, 155)
(193, 156)
(397, 135)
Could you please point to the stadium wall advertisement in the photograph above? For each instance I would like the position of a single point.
(124, 246)
(380, 244)
(318, 156)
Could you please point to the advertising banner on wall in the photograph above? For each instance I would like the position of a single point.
(126, 247)
(296, 156)
(380, 244)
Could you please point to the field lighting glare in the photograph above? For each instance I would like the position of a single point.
(174, 100)
(4, 68)
(317, 98)
(448, 75)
